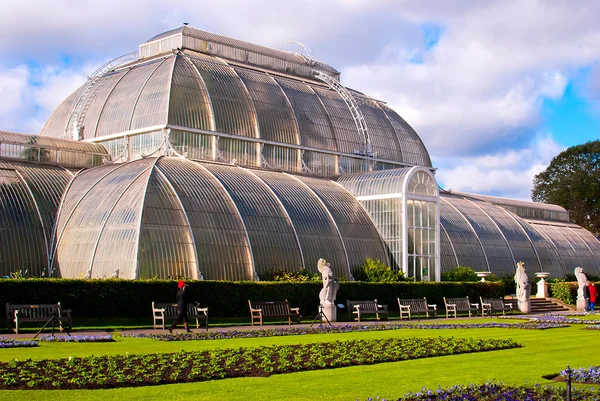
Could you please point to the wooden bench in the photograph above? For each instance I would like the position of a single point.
(455, 305)
(491, 305)
(19, 314)
(416, 306)
(262, 309)
(167, 311)
(371, 307)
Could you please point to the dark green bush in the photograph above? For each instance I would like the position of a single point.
(460, 273)
(375, 271)
(133, 298)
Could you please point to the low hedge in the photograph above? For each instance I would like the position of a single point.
(133, 298)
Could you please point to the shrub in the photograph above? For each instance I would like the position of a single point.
(302, 276)
(226, 299)
(375, 271)
(565, 291)
(460, 273)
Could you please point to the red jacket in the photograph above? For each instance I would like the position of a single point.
(593, 293)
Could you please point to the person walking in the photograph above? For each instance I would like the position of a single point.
(182, 301)
(593, 295)
(586, 296)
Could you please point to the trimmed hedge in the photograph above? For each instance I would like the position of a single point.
(563, 290)
(133, 298)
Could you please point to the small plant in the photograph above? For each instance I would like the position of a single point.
(460, 273)
(19, 274)
(375, 271)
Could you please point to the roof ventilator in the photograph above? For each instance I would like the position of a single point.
(82, 104)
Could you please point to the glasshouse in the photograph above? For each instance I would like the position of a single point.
(207, 157)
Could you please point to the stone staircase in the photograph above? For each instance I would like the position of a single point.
(544, 305)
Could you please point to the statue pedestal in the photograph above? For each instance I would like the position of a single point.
(542, 285)
(524, 307)
(581, 304)
(330, 312)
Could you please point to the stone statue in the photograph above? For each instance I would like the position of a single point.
(330, 284)
(581, 281)
(523, 288)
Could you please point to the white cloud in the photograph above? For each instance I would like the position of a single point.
(506, 174)
(29, 95)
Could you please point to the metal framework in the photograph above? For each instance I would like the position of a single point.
(359, 120)
(84, 99)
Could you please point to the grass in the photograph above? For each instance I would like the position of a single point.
(544, 352)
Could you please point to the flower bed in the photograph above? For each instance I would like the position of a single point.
(10, 343)
(556, 318)
(492, 391)
(594, 327)
(138, 370)
(590, 375)
(347, 328)
(78, 339)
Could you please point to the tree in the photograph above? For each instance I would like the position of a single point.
(572, 180)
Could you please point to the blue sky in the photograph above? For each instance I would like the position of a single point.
(571, 118)
(495, 89)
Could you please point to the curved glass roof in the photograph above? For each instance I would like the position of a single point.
(486, 236)
(29, 199)
(173, 217)
(197, 92)
(51, 143)
(389, 182)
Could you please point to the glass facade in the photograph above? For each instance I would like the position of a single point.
(30, 195)
(172, 217)
(252, 114)
(403, 204)
(33, 148)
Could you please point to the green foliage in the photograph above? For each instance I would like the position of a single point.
(508, 281)
(572, 180)
(302, 276)
(151, 369)
(119, 298)
(460, 273)
(560, 347)
(563, 290)
(375, 271)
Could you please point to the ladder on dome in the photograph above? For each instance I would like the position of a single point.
(359, 120)
(77, 116)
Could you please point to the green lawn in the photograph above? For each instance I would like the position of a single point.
(544, 352)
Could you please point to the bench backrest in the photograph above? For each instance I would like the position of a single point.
(462, 304)
(171, 309)
(496, 303)
(416, 304)
(272, 307)
(41, 311)
(368, 305)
